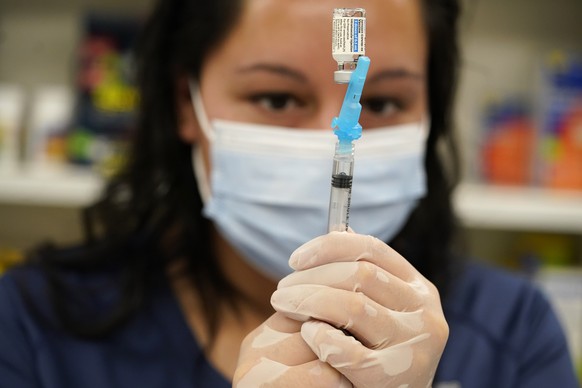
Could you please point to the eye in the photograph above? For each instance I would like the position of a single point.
(276, 102)
(381, 106)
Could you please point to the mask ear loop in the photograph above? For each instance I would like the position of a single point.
(199, 110)
(198, 164)
(425, 122)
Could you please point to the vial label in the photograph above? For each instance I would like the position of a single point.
(349, 36)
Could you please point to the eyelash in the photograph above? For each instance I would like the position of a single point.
(371, 104)
(274, 98)
(278, 102)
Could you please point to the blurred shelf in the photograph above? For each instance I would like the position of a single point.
(519, 208)
(66, 187)
(478, 206)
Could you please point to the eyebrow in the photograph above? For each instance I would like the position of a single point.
(275, 69)
(285, 71)
(395, 73)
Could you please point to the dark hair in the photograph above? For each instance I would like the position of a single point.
(150, 213)
(426, 240)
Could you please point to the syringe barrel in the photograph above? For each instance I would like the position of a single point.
(341, 188)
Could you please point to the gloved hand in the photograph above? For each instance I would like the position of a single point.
(275, 355)
(358, 283)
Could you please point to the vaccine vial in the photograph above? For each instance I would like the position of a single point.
(348, 41)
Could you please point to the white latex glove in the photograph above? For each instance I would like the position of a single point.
(358, 283)
(275, 355)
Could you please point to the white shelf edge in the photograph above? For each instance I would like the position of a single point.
(477, 205)
(521, 208)
(65, 187)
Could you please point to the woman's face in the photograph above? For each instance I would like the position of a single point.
(276, 66)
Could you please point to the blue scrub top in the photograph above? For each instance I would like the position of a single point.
(503, 333)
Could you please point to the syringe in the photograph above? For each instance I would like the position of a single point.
(347, 129)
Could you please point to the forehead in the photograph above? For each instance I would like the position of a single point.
(298, 32)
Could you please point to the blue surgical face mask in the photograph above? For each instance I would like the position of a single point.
(269, 188)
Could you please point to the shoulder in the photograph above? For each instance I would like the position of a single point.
(17, 330)
(482, 292)
(509, 329)
(35, 294)
(14, 282)
(25, 299)
(497, 304)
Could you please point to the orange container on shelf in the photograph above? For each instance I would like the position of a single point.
(563, 153)
(507, 144)
(560, 140)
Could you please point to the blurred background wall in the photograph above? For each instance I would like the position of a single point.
(66, 99)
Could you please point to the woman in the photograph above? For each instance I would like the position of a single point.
(195, 234)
